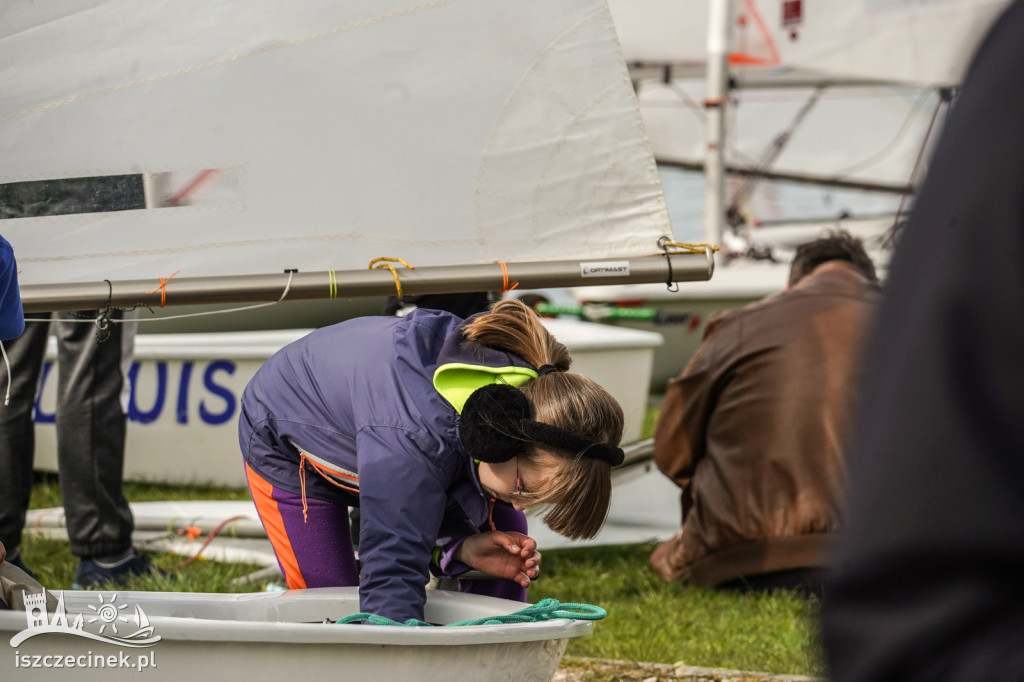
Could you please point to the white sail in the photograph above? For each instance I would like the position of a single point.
(867, 123)
(919, 42)
(864, 134)
(661, 31)
(924, 42)
(320, 135)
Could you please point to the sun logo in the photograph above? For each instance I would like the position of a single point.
(108, 613)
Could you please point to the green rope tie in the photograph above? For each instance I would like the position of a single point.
(545, 609)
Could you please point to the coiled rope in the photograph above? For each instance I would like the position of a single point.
(545, 609)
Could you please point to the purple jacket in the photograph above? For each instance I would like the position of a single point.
(360, 396)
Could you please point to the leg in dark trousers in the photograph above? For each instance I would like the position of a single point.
(17, 432)
(91, 426)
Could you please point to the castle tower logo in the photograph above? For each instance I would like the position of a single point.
(105, 616)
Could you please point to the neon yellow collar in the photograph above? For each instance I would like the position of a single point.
(455, 381)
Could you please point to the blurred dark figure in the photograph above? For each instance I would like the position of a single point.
(928, 579)
(753, 430)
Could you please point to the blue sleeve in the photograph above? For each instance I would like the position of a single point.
(402, 502)
(12, 319)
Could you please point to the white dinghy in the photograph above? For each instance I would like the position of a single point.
(278, 635)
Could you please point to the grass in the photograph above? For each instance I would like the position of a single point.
(648, 619)
(657, 622)
(54, 566)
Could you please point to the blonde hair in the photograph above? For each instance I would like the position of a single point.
(577, 487)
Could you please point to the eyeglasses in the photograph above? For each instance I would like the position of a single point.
(519, 481)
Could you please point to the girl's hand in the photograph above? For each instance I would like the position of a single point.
(508, 555)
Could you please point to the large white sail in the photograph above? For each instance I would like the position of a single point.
(923, 42)
(320, 135)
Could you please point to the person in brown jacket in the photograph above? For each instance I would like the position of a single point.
(753, 430)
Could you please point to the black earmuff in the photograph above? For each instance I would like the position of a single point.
(491, 427)
(497, 424)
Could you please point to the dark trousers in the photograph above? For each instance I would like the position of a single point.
(90, 425)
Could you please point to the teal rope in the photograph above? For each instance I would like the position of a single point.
(545, 609)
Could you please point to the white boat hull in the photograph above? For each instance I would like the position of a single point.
(185, 391)
(281, 635)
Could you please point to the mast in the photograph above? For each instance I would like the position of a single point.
(717, 96)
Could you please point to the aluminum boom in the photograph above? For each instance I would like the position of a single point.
(671, 267)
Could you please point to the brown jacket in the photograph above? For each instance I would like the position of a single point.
(753, 430)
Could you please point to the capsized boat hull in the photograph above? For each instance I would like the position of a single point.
(280, 635)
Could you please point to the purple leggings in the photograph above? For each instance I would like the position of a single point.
(317, 551)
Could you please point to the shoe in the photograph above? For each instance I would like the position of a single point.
(16, 561)
(92, 573)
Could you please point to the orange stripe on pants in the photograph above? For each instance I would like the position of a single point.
(266, 505)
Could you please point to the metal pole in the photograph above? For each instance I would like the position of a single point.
(716, 99)
(674, 267)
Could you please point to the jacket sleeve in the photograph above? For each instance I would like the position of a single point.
(12, 319)
(402, 501)
(679, 434)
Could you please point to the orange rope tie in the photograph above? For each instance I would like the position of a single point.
(45, 512)
(490, 514)
(302, 486)
(163, 288)
(327, 475)
(504, 278)
(209, 538)
(385, 262)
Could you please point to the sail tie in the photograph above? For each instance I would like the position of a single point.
(163, 288)
(332, 284)
(504, 279)
(681, 247)
(385, 262)
(545, 609)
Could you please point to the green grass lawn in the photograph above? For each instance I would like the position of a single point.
(648, 619)
(657, 622)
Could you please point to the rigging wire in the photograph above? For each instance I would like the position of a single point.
(690, 103)
(891, 145)
(945, 97)
(93, 320)
(768, 156)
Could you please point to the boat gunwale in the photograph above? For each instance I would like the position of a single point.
(251, 629)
